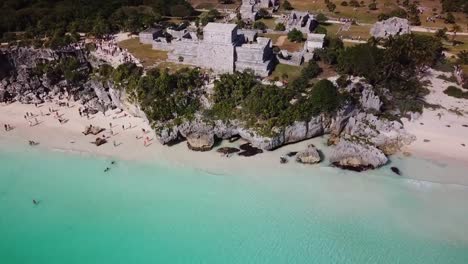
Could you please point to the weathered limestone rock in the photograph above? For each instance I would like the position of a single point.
(388, 136)
(390, 27)
(309, 156)
(357, 156)
(200, 141)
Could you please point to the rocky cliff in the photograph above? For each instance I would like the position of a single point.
(363, 138)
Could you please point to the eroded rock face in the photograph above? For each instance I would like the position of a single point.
(388, 136)
(200, 141)
(309, 156)
(357, 156)
(391, 27)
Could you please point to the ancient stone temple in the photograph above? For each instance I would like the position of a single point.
(302, 21)
(391, 27)
(249, 8)
(147, 36)
(223, 49)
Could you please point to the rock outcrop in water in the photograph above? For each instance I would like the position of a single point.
(357, 156)
(363, 138)
(309, 156)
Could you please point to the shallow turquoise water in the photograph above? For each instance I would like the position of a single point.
(141, 213)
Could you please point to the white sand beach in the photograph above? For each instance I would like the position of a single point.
(444, 143)
(441, 134)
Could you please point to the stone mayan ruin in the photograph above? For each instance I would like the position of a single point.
(302, 21)
(223, 49)
(249, 8)
(390, 27)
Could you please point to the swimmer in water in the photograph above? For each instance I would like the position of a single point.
(107, 169)
(35, 202)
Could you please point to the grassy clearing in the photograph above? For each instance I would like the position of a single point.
(269, 22)
(208, 4)
(273, 37)
(283, 70)
(364, 15)
(354, 31)
(144, 53)
(286, 44)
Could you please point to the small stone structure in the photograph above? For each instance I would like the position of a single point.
(391, 27)
(147, 36)
(223, 49)
(302, 21)
(249, 8)
(314, 41)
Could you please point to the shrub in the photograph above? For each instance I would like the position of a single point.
(280, 27)
(344, 3)
(324, 96)
(450, 18)
(287, 5)
(295, 35)
(321, 18)
(456, 92)
(354, 3)
(372, 6)
(259, 25)
(320, 30)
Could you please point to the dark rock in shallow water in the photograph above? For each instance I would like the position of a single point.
(396, 170)
(249, 151)
(227, 150)
(291, 154)
(283, 160)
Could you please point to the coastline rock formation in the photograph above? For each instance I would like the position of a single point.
(309, 156)
(391, 27)
(200, 141)
(357, 156)
(363, 138)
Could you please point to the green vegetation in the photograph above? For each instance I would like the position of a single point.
(280, 27)
(259, 25)
(66, 68)
(287, 5)
(164, 97)
(394, 68)
(295, 36)
(38, 19)
(262, 107)
(456, 92)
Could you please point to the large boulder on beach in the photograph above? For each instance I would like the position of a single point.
(357, 156)
(309, 156)
(200, 141)
(393, 26)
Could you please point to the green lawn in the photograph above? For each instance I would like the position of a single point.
(292, 71)
(144, 53)
(269, 22)
(354, 31)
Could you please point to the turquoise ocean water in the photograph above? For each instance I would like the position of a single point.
(149, 213)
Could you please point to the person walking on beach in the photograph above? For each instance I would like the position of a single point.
(6, 127)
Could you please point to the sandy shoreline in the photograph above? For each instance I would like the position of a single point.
(68, 137)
